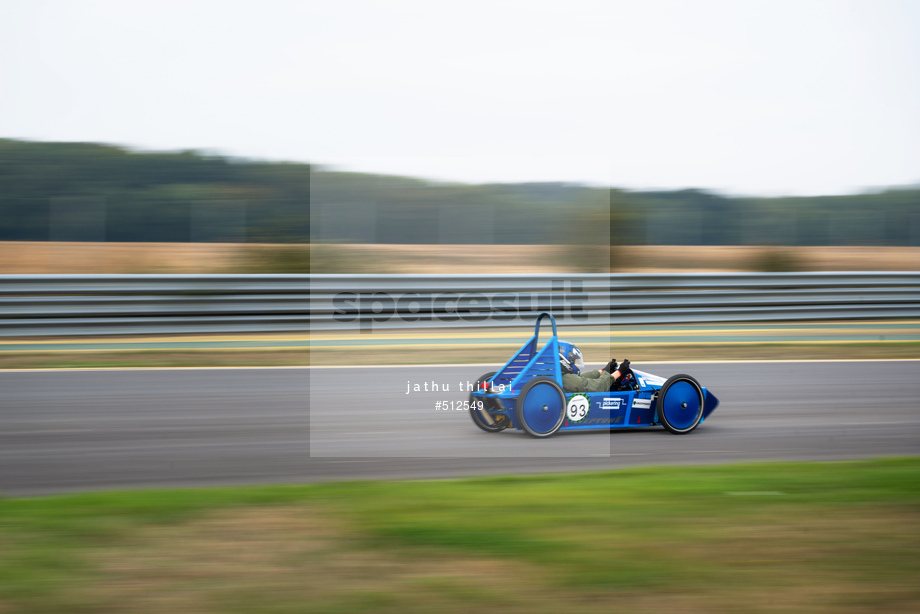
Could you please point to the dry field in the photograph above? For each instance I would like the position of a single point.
(62, 257)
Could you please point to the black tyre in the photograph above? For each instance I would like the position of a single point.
(541, 407)
(680, 404)
(485, 421)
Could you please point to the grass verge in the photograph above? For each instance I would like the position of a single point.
(804, 537)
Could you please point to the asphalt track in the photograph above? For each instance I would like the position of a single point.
(66, 431)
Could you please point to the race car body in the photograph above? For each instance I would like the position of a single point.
(527, 394)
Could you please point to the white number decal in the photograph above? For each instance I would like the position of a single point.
(577, 408)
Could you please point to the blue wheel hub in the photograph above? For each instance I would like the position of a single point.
(681, 405)
(543, 407)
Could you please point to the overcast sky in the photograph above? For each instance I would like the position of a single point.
(743, 97)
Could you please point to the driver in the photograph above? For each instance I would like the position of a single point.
(576, 379)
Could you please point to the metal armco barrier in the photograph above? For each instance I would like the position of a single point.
(43, 305)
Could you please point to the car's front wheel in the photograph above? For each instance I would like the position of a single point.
(680, 404)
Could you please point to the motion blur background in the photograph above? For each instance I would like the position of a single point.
(221, 137)
(88, 208)
(410, 137)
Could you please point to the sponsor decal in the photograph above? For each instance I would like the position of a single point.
(611, 403)
(617, 420)
(642, 403)
(577, 408)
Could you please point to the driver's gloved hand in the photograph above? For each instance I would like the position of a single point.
(624, 367)
(611, 366)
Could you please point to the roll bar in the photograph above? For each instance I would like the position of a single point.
(536, 328)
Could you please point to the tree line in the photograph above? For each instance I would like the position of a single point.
(95, 192)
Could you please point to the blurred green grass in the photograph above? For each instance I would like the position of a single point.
(817, 537)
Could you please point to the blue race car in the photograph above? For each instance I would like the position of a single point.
(527, 394)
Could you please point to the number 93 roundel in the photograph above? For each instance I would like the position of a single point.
(577, 408)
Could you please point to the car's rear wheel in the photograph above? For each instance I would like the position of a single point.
(481, 418)
(541, 407)
(680, 404)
